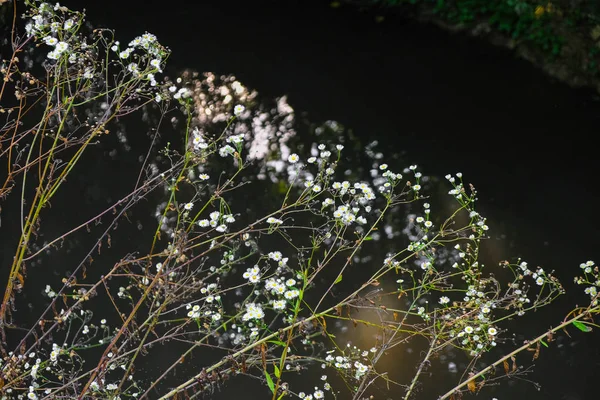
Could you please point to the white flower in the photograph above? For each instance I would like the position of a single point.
(238, 110)
(469, 329)
(279, 305)
(51, 41)
(275, 255)
(444, 300)
(293, 158)
(133, 68)
(492, 331)
(188, 206)
(221, 228)
(539, 281)
(416, 188)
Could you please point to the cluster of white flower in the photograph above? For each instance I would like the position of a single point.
(316, 395)
(476, 339)
(210, 304)
(149, 48)
(198, 141)
(274, 221)
(49, 24)
(386, 180)
(282, 287)
(253, 312)
(217, 220)
(357, 361)
(194, 311)
(226, 150)
(252, 274)
(463, 198)
(591, 277)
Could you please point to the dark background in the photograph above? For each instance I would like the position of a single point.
(446, 102)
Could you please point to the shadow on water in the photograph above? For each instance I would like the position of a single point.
(446, 102)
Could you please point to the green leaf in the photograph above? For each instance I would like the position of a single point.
(338, 280)
(581, 326)
(270, 383)
(544, 343)
(367, 238)
(277, 371)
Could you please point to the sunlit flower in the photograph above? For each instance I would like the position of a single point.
(238, 110)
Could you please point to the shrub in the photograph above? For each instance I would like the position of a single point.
(223, 288)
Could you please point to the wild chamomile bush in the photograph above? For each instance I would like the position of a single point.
(251, 265)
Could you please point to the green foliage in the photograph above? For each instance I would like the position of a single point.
(542, 25)
(581, 326)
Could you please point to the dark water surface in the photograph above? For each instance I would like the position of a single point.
(446, 102)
